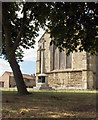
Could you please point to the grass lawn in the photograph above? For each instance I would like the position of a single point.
(49, 104)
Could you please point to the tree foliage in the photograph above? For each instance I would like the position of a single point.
(74, 26)
(70, 24)
(23, 29)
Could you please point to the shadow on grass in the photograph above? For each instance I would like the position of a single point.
(49, 105)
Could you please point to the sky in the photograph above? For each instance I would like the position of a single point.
(28, 66)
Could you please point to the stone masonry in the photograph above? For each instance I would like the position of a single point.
(81, 74)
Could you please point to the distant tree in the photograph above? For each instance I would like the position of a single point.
(70, 24)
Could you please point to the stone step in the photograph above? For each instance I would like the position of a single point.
(45, 87)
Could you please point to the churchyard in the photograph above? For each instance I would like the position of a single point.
(49, 104)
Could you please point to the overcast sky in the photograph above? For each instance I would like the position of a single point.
(29, 64)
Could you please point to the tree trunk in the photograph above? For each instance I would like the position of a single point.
(18, 76)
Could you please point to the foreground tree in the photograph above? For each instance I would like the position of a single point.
(70, 24)
(20, 31)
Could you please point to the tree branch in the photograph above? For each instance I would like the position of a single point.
(6, 26)
(18, 39)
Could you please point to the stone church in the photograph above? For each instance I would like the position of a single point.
(56, 70)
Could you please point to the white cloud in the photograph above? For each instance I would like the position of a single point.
(4, 66)
(31, 54)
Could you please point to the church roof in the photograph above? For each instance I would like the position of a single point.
(42, 36)
(24, 75)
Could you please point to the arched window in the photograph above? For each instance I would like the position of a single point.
(55, 58)
(69, 61)
(62, 59)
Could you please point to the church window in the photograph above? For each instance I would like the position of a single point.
(1, 84)
(62, 59)
(27, 80)
(69, 60)
(41, 79)
(55, 58)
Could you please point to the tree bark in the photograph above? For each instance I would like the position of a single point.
(18, 76)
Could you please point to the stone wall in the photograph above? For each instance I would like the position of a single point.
(5, 79)
(47, 53)
(77, 60)
(38, 62)
(12, 82)
(91, 72)
(62, 80)
(28, 82)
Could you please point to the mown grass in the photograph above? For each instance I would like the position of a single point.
(49, 104)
